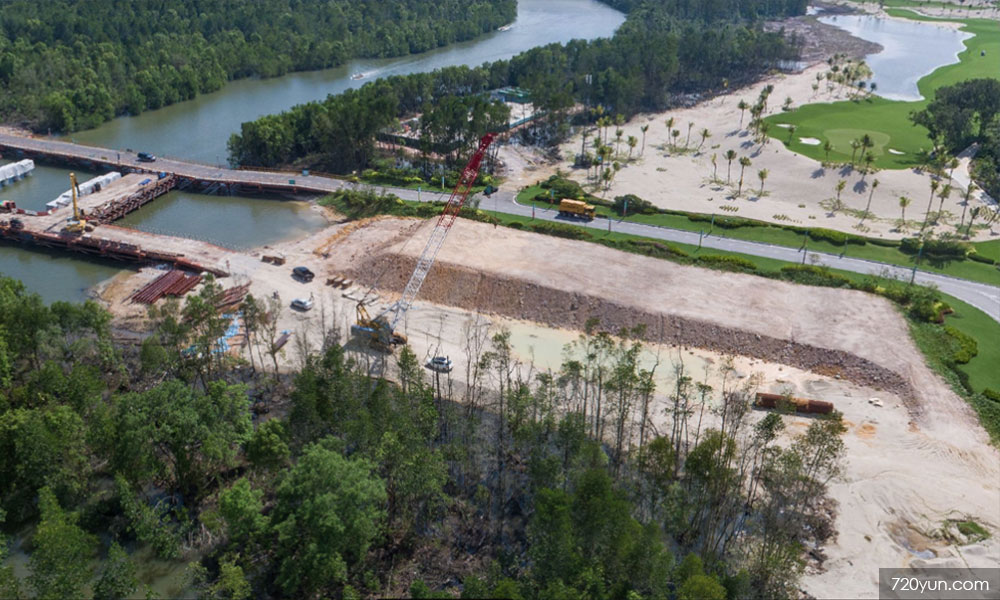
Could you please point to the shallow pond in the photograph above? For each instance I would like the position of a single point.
(911, 50)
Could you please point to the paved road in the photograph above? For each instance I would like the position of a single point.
(982, 296)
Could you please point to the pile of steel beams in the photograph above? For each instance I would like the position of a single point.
(171, 283)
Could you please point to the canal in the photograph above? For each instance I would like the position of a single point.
(198, 130)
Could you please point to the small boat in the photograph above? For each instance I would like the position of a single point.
(504, 28)
(357, 76)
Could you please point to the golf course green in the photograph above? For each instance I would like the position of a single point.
(888, 121)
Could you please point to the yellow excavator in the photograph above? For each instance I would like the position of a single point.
(76, 224)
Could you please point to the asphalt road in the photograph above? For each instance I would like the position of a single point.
(983, 296)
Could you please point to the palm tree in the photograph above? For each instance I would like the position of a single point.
(972, 218)
(762, 175)
(675, 134)
(705, 134)
(715, 167)
(827, 146)
(855, 144)
(618, 139)
(871, 193)
(952, 164)
(743, 106)
(643, 129)
(869, 159)
(730, 157)
(791, 133)
(632, 142)
(965, 205)
(930, 201)
(903, 203)
(943, 195)
(687, 140)
(670, 126)
(744, 163)
(840, 188)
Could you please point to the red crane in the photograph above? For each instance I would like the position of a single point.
(382, 329)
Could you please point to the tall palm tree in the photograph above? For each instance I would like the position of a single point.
(855, 145)
(687, 140)
(827, 146)
(965, 205)
(930, 201)
(618, 139)
(705, 134)
(791, 133)
(972, 219)
(730, 157)
(903, 203)
(869, 159)
(744, 163)
(762, 175)
(715, 167)
(643, 129)
(670, 127)
(743, 106)
(675, 134)
(840, 188)
(952, 164)
(871, 192)
(943, 195)
(632, 142)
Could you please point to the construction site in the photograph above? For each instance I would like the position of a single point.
(385, 281)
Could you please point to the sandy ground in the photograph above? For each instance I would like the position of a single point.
(795, 187)
(911, 464)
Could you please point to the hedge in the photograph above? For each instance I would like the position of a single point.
(813, 275)
(838, 238)
(731, 263)
(980, 258)
(966, 347)
(560, 230)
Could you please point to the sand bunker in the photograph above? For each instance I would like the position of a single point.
(896, 152)
(809, 141)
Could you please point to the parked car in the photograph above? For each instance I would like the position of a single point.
(303, 274)
(146, 157)
(441, 364)
(303, 304)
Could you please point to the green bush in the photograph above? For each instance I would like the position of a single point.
(883, 242)
(560, 230)
(992, 394)
(725, 222)
(964, 346)
(813, 275)
(728, 263)
(636, 205)
(953, 249)
(563, 188)
(838, 238)
(651, 248)
(981, 259)
(516, 225)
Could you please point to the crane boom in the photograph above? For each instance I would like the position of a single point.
(444, 223)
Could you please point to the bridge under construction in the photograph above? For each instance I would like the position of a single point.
(143, 183)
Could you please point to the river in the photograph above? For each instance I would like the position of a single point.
(198, 130)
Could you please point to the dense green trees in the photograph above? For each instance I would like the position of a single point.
(660, 52)
(964, 114)
(70, 64)
(577, 482)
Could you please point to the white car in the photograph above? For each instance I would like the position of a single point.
(302, 304)
(441, 364)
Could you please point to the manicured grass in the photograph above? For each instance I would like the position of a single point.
(989, 249)
(775, 235)
(888, 121)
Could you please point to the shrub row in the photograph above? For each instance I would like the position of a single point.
(980, 258)
(561, 230)
(813, 275)
(837, 238)
(940, 248)
(964, 346)
(728, 263)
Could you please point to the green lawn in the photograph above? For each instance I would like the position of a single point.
(777, 236)
(887, 121)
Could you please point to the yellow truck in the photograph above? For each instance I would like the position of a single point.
(576, 208)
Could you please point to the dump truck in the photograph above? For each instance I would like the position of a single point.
(576, 208)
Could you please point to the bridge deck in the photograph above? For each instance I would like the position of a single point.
(263, 181)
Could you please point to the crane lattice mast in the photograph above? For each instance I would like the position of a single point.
(444, 223)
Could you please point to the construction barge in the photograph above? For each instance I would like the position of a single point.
(97, 237)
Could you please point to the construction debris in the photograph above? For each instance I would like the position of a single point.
(172, 283)
(231, 297)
